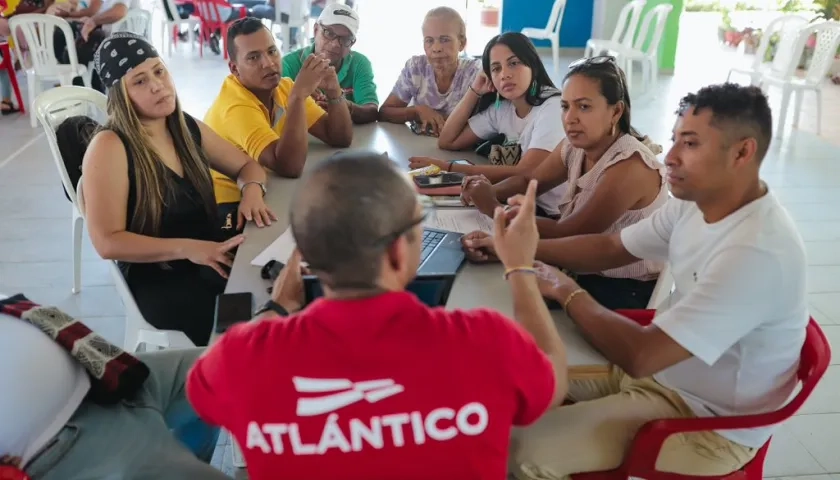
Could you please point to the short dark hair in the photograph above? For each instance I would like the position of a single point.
(344, 212)
(739, 111)
(524, 49)
(243, 26)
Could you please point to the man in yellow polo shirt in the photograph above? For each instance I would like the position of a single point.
(270, 117)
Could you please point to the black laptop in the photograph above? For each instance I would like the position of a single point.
(440, 260)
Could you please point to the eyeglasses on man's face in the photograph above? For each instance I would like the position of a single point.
(329, 35)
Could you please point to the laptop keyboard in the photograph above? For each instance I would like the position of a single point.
(430, 241)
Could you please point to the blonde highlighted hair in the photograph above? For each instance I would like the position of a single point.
(152, 182)
(452, 15)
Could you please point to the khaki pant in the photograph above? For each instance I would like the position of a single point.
(594, 434)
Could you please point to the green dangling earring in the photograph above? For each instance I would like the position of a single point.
(534, 88)
(498, 102)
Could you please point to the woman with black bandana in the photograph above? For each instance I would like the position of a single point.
(148, 193)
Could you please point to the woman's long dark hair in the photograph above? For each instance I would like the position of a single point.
(613, 87)
(524, 50)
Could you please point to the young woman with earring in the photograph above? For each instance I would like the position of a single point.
(612, 175)
(513, 96)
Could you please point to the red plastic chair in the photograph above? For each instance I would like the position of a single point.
(12, 473)
(640, 460)
(9, 65)
(210, 14)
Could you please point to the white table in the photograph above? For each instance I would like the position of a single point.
(475, 286)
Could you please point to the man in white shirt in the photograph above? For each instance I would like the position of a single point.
(728, 340)
(50, 429)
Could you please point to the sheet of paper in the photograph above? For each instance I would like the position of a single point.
(279, 249)
(461, 220)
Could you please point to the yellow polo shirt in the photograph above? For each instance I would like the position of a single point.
(239, 117)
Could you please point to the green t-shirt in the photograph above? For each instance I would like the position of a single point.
(355, 75)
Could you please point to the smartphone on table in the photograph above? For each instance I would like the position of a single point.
(233, 308)
(442, 180)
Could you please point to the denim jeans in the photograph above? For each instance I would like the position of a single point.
(155, 435)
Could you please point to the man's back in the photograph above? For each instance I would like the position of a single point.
(382, 387)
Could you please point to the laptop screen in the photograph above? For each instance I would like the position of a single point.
(433, 291)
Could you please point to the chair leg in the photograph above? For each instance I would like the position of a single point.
(818, 94)
(15, 87)
(78, 226)
(33, 83)
(797, 107)
(780, 128)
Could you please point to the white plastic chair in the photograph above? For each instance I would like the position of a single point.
(551, 31)
(624, 33)
(137, 21)
(138, 332)
(168, 27)
(51, 108)
(648, 58)
(828, 39)
(38, 30)
(299, 13)
(785, 26)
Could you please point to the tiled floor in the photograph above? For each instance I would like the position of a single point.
(803, 171)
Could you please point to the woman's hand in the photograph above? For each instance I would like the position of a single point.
(478, 246)
(429, 119)
(552, 281)
(253, 207)
(477, 190)
(420, 162)
(288, 287)
(482, 85)
(212, 254)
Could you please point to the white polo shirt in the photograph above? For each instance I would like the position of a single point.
(739, 307)
(42, 386)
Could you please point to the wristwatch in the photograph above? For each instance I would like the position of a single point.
(272, 306)
(262, 187)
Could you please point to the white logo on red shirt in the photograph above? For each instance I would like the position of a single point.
(439, 424)
(347, 393)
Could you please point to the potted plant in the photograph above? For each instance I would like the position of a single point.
(490, 13)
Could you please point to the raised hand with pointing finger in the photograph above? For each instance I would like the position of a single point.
(515, 242)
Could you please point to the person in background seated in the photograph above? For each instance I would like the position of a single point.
(442, 416)
(514, 96)
(269, 117)
(335, 34)
(431, 85)
(6, 105)
(51, 429)
(149, 196)
(727, 343)
(614, 180)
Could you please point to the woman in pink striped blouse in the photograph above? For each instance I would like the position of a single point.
(614, 180)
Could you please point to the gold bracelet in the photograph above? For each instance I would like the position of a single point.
(571, 297)
(519, 269)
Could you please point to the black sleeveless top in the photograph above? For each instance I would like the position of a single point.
(184, 213)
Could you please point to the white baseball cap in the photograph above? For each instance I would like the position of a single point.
(338, 14)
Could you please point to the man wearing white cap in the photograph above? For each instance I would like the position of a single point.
(335, 34)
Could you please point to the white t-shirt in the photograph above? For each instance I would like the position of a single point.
(739, 306)
(42, 388)
(109, 4)
(542, 128)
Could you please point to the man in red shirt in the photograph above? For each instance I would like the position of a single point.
(368, 382)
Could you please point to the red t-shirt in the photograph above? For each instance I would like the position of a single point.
(378, 388)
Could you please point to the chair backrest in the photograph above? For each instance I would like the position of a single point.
(813, 362)
(38, 30)
(785, 22)
(137, 21)
(555, 18)
(54, 106)
(170, 9)
(659, 15)
(788, 51)
(210, 13)
(662, 290)
(825, 49)
(628, 20)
